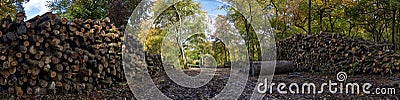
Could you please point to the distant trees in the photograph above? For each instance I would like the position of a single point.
(243, 25)
(377, 20)
(171, 26)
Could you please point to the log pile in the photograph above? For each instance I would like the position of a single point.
(154, 65)
(49, 54)
(329, 52)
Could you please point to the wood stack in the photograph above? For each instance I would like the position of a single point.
(329, 52)
(155, 66)
(48, 54)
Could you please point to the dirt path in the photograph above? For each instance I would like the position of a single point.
(175, 91)
(218, 82)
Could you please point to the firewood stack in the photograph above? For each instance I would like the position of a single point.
(329, 52)
(49, 54)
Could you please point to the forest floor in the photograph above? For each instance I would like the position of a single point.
(175, 91)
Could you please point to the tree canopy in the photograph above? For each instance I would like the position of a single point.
(11, 7)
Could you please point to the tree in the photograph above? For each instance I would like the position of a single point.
(375, 20)
(287, 17)
(79, 8)
(243, 25)
(223, 28)
(11, 7)
(171, 21)
(374, 17)
(196, 45)
(118, 10)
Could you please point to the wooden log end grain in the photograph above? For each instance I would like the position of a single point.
(18, 91)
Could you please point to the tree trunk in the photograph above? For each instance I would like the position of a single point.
(309, 16)
(320, 13)
(394, 29)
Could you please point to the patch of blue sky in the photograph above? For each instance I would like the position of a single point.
(35, 7)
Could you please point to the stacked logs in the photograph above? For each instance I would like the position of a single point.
(49, 54)
(331, 53)
(154, 65)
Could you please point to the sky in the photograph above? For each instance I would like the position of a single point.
(211, 7)
(38, 7)
(35, 7)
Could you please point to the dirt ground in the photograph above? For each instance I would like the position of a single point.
(175, 91)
